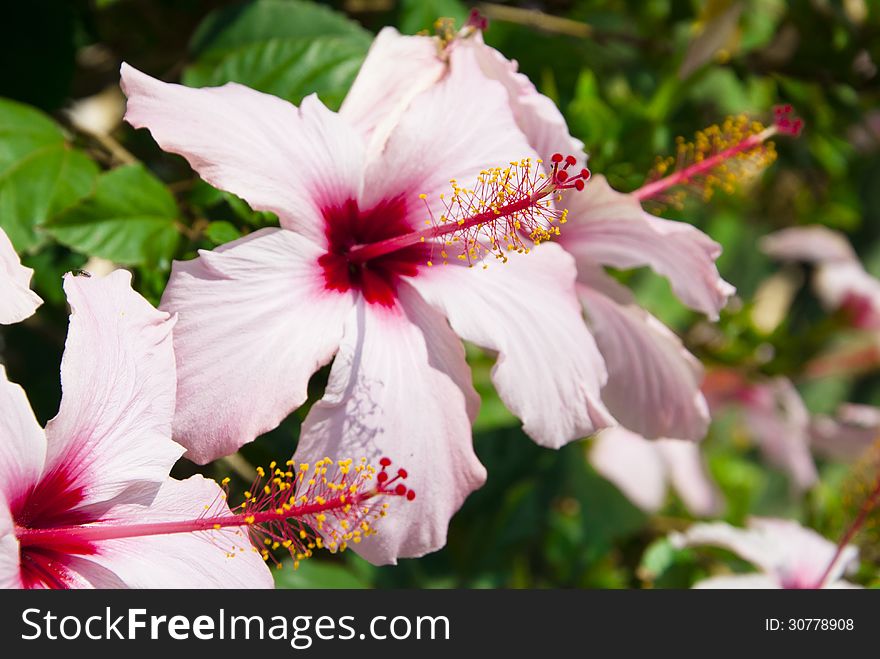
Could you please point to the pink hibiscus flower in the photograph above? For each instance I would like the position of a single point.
(787, 554)
(77, 500)
(18, 301)
(353, 273)
(88, 502)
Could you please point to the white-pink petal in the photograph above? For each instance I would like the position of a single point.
(254, 323)
(453, 130)
(535, 114)
(549, 371)
(633, 464)
(17, 300)
(22, 442)
(10, 563)
(612, 229)
(292, 161)
(209, 559)
(118, 383)
(689, 476)
(390, 395)
(397, 69)
(645, 469)
(653, 381)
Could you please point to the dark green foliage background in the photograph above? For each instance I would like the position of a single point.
(544, 518)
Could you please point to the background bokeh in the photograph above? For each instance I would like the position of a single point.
(76, 184)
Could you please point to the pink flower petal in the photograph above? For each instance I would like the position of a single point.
(179, 560)
(291, 161)
(118, 382)
(397, 69)
(22, 442)
(817, 244)
(10, 568)
(255, 322)
(653, 381)
(633, 464)
(453, 130)
(690, 477)
(393, 394)
(549, 371)
(17, 301)
(643, 469)
(535, 114)
(611, 228)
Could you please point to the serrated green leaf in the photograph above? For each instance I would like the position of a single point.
(417, 15)
(290, 68)
(40, 173)
(247, 24)
(130, 219)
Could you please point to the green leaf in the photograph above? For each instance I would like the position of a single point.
(317, 574)
(290, 68)
(40, 173)
(246, 24)
(417, 15)
(130, 219)
(222, 232)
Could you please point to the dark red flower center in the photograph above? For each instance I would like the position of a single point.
(346, 226)
(50, 504)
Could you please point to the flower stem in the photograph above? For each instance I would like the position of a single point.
(867, 506)
(366, 252)
(110, 531)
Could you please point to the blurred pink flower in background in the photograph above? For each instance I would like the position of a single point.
(840, 280)
(775, 418)
(72, 496)
(644, 470)
(17, 300)
(787, 554)
(260, 315)
(848, 434)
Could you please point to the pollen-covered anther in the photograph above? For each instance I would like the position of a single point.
(328, 504)
(720, 157)
(786, 122)
(508, 209)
